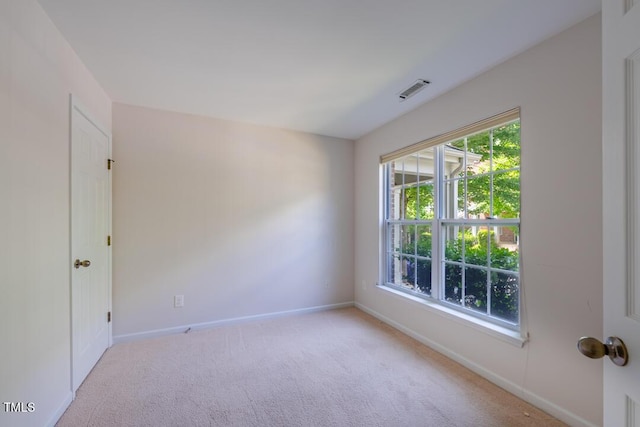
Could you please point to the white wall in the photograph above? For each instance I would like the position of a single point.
(558, 86)
(242, 220)
(38, 70)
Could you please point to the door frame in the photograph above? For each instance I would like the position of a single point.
(76, 105)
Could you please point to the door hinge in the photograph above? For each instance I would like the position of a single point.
(108, 240)
(109, 163)
(109, 317)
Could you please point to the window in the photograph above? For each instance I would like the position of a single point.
(452, 219)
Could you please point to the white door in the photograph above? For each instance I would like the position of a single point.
(90, 253)
(621, 198)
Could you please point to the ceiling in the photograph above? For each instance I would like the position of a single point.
(331, 67)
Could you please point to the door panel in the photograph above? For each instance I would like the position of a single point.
(90, 225)
(621, 210)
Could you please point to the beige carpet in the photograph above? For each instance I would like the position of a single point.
(333, 368)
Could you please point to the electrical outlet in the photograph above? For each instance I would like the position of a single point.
(178, 301)
(364, 284)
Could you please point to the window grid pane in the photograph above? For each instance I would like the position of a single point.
(505, 296)
(416, 214)
(423, 276)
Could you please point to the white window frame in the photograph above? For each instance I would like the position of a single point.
(440, 221)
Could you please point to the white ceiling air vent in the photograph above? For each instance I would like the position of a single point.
(413, 89)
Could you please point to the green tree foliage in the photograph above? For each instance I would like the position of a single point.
(419, 202)
(506, 179)
(480, 250)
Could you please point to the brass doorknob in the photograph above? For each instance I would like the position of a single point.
(85, 263)
(613, 347)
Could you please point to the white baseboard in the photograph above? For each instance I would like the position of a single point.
(217, 323)
(61, 408)
(526, 395)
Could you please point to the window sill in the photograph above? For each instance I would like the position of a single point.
(509, 336)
